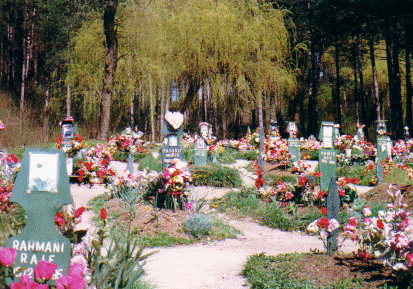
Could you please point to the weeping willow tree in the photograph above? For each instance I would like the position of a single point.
(237, 51)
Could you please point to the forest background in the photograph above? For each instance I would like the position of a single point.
(233, 63)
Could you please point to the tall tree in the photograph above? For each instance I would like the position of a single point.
(111, 59)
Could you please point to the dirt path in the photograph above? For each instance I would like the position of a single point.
(218, 264)
(214, 264)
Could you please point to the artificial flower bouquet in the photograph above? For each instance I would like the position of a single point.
(139, 180)
(276, 151)
(129, 143)
(74, 146)
(170, 189)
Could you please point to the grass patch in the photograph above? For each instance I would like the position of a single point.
(264, 271)
(221, 230)
(150, 163)
(164, 239)
(216, 176)
(123, 156)
(248, 155)
(273, 179)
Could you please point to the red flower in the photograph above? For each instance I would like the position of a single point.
(320, 194)
(341, 192)
(58, 219)
(44, 270)
(323, 223)
(317, 174)
(13, 158)
(89, 166)
(7, 256)
(103, 214)
(324, 210)
(354, 181)
(104, 163)
(79, 212)
(80, 179)
(259, 182)
(79, 162)
(302, 181)
(380, 224)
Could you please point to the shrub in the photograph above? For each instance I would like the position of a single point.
(273, 217)
(198, 225)
(216, 176)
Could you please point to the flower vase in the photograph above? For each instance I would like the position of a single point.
(348, 153)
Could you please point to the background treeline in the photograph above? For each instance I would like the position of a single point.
(233, 63)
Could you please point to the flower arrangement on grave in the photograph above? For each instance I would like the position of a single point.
(240, 145)
(126, 181)
(254, 138)
(384, 237)
(276, 151)
(6, 188)
(310, 145)
(8, 171)
(387, 166)
(215, 150)
(324, 227)
(76, 144)
(2, 125)
(66, 220)
(344, 142)
(381, 132)
(187, 141)
(94, 167)
(129, 143)
(173, 185)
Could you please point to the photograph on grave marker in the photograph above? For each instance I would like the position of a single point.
(43, 172)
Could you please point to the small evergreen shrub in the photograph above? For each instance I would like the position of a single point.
(198, 225)
(150, 163)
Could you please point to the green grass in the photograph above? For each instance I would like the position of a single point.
(248, 155)
(221, 230)
(264, 271)
(216, 176)
(164, 239)
(273, 179)
(150, 163)
(123, 156)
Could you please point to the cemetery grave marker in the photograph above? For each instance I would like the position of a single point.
(172, 145)
(260, 156)
(382, 145)
(200, 152)
(129, 165)
(327, 155)
(406, 134)
(41, 188)
(333, 212)
(379, 172)
(273, 129)
(293, 141)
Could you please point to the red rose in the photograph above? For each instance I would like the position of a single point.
(324, 210)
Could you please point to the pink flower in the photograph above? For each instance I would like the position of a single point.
(7, 256)
(76, 270)
(79, 212)
(26, 283)
(409, 258)
(70, 282)
(289, 195)
(366, 211)
(44, 270)
(58, 219)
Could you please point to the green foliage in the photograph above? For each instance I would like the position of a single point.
(11, 223)
(248, 155)
(226, 158)
(264, 271)
(245, 201)
(273, 217)
(312, 155)
(189, 155)
(216, 176)
(163, 239)
(272, 180)
(123, 156)
(221, 230)
(150, 163)
(198, 225)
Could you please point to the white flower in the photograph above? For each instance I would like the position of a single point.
(333, 225)
(399, 266)
(366, 211)
(313, 227)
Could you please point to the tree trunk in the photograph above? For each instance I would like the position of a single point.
(338, 84)
(409, 88)
(132, 110)
(362, 93)
(68, 100)
(151, 110)
(312, 99)
(111, 55)
(46, 115)
(375, 81)
(356, 88)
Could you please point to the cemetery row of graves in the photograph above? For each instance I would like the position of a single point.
(285, 195)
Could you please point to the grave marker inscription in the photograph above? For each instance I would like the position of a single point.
(41, 188)
(327, 155)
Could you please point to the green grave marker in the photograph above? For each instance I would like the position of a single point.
(41, 188)
(379, 171)
(172, 144)
(67, 132)
(273, 129)
(382, 152)
(333, 212)
(327, 155)
(200, 152)
(129, 165)
(293, 141)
